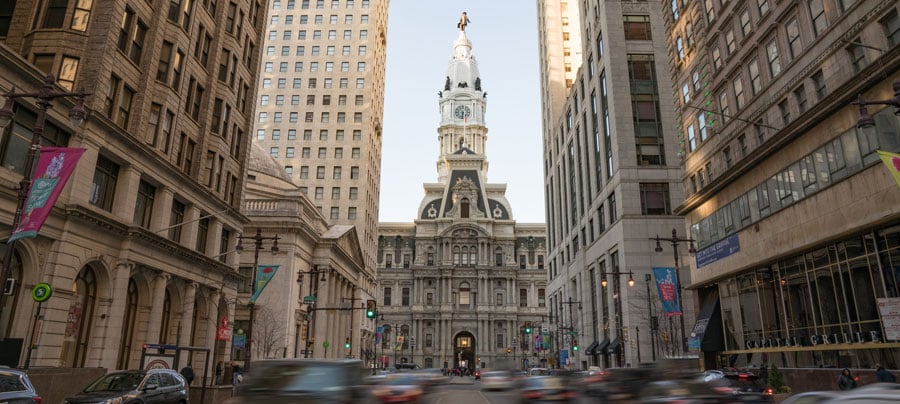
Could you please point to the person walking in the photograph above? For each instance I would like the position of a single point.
(846, 381)
(764, 374)
(188, 373)
(883, 376)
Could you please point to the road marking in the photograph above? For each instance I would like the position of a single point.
(483, 396)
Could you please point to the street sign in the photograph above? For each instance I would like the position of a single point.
(515, 342)
(545, 328)
(309, 299)
(412, 342)
(41, 292)
(325, 344)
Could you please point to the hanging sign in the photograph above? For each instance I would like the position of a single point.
(264, 273)
(667, 286)
(53, 169)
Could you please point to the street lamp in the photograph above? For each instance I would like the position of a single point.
(44, 96)
(604, 282)
(257, 245)
(675, 240)
(865, 120)
(310, 300)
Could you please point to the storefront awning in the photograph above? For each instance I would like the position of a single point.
(613, 346)
(601, 348)
(592, 348)
(707, 335)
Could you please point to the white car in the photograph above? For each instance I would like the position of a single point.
(496, 380)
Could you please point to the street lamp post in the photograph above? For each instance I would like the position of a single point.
(618, 306)
(257, 239)
(647, 278)
(44, 96)
(865, 120)
(675, 240)
(311, 305)
(572, 330)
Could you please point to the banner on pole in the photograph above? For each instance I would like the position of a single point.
(54, 167)
(264, 273)
(892, 161)
(667, 286)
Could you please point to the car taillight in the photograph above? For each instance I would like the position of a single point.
(569, 394)
(855, 378)
(533, 394)
(769, 391)
(37, 400)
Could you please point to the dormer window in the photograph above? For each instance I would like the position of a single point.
(464, 208)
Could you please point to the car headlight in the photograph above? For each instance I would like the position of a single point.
(117, 400)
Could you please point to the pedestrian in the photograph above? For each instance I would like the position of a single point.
(188, 373)
(238, 376)
(219, 369)
(883, 376)
(846, 380)
(764, 374)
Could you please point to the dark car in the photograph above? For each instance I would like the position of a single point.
(539, 389)
(135, 387)
(302, 381)
(744, 386)
(15, 388)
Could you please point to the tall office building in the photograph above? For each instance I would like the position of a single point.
(137, 248)
(458, 286)
(796, 218)
(559, 39)
(320, 105)
(611, 182)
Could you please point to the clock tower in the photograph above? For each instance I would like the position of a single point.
(462, 102)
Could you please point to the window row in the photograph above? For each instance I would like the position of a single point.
(324, 117)
(310, 99)
(338, 153)
(296, 82)
(336, 174)
(269, 67)
(307, 134)
(316, 50)
(320, 4)
(317, 19)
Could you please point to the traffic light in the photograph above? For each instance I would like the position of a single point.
(528, 327)
(370, 309)
(347, 343)
(574, 344)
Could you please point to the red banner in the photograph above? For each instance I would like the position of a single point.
(223, 334)
(51, 174)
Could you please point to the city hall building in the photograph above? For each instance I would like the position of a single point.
(458, 285)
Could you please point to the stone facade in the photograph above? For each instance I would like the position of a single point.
(138, 245)
(320, 105)
(611, 183)
(782, 176)
(457, 286)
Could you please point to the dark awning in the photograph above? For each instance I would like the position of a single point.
(707, 335)
(602, 347)
(591, 349)
(613, 346)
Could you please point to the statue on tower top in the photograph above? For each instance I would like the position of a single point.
(463, 21)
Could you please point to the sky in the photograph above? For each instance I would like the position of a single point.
(419, 45)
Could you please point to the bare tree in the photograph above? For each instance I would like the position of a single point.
(268, 333)
(666, 336)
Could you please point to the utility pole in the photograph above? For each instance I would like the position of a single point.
(675, 240)
(257, 245)
(647, 278)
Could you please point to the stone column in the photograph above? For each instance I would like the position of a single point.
(187, 314)
(213, 246)
(114, 326)
(156, 310)
(162, 211)
(126, 193)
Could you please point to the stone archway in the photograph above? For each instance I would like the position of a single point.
(464, 350)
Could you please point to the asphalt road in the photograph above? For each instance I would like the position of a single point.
(473, 394)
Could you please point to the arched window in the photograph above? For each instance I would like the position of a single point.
(456, 255)
(464, 290)
(464, 208)
(465, 256)
(80, 318)
(167, 313)
(131, 306)
(8, 312)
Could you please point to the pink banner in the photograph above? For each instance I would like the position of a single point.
(53, 169)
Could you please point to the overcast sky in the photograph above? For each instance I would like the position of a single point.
(504, 41)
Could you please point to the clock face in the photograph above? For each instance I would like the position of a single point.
(462, 111)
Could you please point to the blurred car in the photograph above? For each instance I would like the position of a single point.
(135, 386)
(536, 389)
(746, 385)
(875, 393)
(496, 380)
(302, 381)
(811, 397)
(430, 378)
(683, 391)
(15, 388)
(399, 388)
(538, 372)
(621, 383)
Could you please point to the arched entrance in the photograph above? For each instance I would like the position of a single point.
(464, 350)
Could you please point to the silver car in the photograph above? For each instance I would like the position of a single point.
(15, 388)
(135, 386)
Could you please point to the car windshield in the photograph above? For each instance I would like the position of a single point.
(117, 382)
(299, 378)
(544, 382)
(11, 382)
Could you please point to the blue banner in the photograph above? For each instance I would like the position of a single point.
(718, 250)
(667, 286)
(264, 273)
(563, 357)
